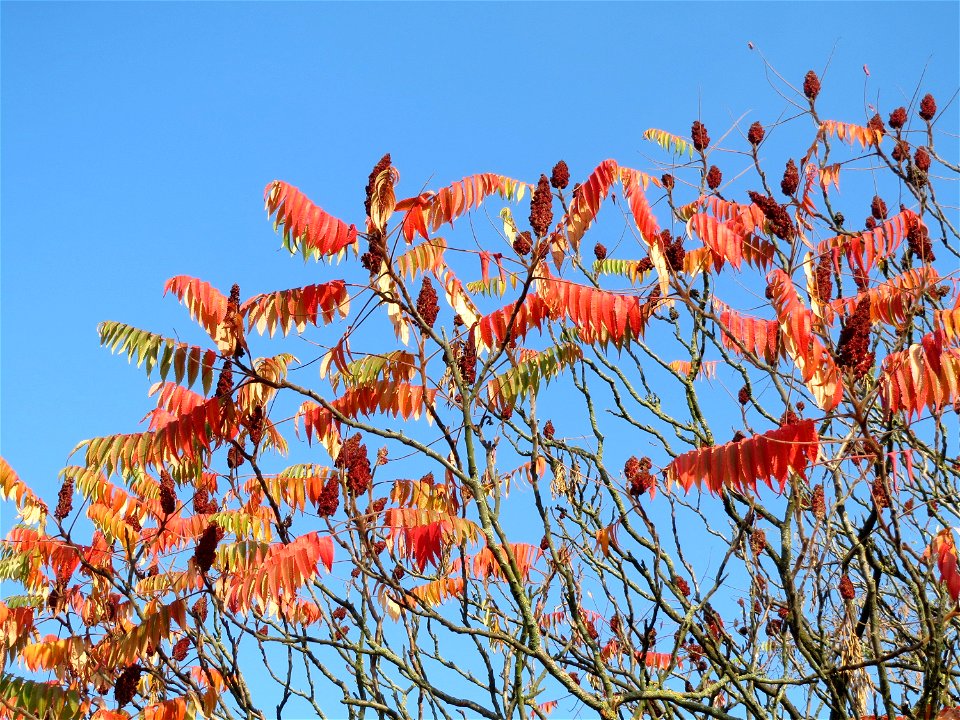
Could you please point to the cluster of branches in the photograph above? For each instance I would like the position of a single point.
(601, 546)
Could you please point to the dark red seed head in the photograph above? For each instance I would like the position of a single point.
(714, 177)
(698, 133)
(755, 134)
(876, 124)
(791, 178)
(878, 208)
(811, 85)
(523, 243)
(847, 591)
(560, 177)
(898, 118)
(928, 107)
(427, 306)
(541, 207)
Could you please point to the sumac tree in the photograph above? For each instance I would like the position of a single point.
(706, 470)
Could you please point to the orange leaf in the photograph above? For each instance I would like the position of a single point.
(739, 465)
(865, 248)
(294, 308)
(306, 227)
(511, 322)
(586, 201)
(206, 304)
(600, 316)
(926, 374)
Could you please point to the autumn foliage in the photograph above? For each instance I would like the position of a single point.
(709, 470)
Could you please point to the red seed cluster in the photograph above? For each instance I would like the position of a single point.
(544, 543)
(743, 396)
(467, 360)
(791, 178)
(870, 223)
(225, 381)
(638, 475)
(548, 430)
(823, 276)
(523, 243)
(65, 498)
(168, 493)
(600, 251)
(876, 124)
(206, 550)
(329, 499)
(200, 608)
(698, 133)
(811, 85)
(354, 460)
(398, 573)
(126, 685)
(339, 614)
(256, 425)
(180, 649)
(667, 181)
(789, 417)
(878, 208)
(673, 251)
(202, 504)
(901, 151)
(714, 177)
(682, 585)
(755, 134)
(427, 306)
(376, 254)
(898, 118)
(758, 541)
(541, 207)
(881, 496)
(847, 591)
(560, 177)
(853, 348)
(777, 216)
(645, 265)
(372, 179)
(918, 242)
(928, 107)
(921, 158)
(738, 436)
(234, 458)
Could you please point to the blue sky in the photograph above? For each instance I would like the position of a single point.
(137, 139)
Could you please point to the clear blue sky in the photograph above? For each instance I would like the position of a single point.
(137, 139)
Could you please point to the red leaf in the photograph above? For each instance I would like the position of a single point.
(294, 308)
(306, 227)
(206, 304)
(587, 200)
(945, 550)
(495, 328)
(864, 249)
(740, 465)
